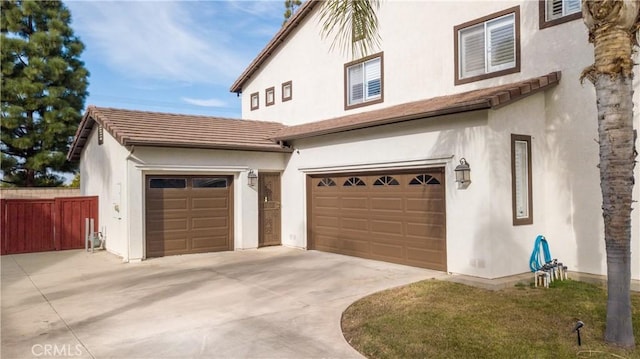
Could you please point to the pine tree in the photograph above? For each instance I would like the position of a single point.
(44, 86)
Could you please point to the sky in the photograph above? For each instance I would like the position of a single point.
(174, 56)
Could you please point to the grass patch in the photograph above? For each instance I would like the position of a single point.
(436, 319)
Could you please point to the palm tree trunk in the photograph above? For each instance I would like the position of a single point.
(613, 26)
(616, 137)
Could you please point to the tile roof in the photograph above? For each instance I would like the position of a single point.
(488, 98)
(142, 128)
(273, 45)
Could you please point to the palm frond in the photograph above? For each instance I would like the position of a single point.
(353, 25)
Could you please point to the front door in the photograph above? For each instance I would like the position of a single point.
(269, 204)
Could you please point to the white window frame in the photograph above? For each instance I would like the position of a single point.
(367, 70)
(486, 58)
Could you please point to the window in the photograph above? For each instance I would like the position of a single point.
(287, 91)
(521, 179)
(270, 96)
(488, 47)
(168, 183)
(354, 181)
(215, 182)
(554, 12)
(424, 179)
(386, 181)
(364, 82)
(326, 182)
(255, 101)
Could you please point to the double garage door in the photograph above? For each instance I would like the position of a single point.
(188, 214)
(396, 217)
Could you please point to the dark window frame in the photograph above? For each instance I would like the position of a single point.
(255, 95)
(271, 89)
(346, 81)
(456, 49)
(544, 23)
(284, 85)
(529, 219)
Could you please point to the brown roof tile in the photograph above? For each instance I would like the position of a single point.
(271, 47)
(489, 98)
(141, 128)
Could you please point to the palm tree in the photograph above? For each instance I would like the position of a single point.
(353, 24)
(613, 27)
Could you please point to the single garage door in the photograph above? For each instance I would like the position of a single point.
(188, 214)
(396, 217)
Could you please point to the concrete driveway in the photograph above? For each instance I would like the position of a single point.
(273, 302)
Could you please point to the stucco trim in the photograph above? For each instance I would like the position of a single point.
(435, 161)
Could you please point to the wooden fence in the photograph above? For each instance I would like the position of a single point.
(38, 225)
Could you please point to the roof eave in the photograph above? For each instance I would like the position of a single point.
(234, 147)
(273, 45)
(479, 105)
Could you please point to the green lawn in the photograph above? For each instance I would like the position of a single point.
(436, 319)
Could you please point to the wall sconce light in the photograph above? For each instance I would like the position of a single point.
(252, 176)
(463, 172)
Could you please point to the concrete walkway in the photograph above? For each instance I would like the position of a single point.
(268, 303)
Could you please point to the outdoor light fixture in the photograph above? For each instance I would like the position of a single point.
(463, 172)
(252, 176)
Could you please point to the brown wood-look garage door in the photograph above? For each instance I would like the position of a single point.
(396, 217)
(188, 214)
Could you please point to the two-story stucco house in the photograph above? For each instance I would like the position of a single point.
(358, 155)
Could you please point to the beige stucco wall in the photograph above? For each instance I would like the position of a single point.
(418, 59)
(419, 64)
(104, 174)
(117, 175)
(176, 161)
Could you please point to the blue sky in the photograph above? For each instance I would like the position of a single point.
(171, 56)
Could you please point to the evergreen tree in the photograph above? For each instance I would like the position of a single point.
(290, 8)
(44, 86)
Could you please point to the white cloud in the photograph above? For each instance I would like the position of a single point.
(158, 40)
(213, 102)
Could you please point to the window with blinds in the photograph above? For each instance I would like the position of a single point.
(521, 179)
(364, 81)
(487, 47)
(556, 9)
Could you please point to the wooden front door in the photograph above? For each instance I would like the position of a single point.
(269, 204)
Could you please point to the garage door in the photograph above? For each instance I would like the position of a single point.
(188, 214)
(396, 217)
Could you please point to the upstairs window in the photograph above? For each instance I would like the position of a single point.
(554, 12)
(270, 96)
(488, 47)
(364, 82)
(287, 91)
(255, 102)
